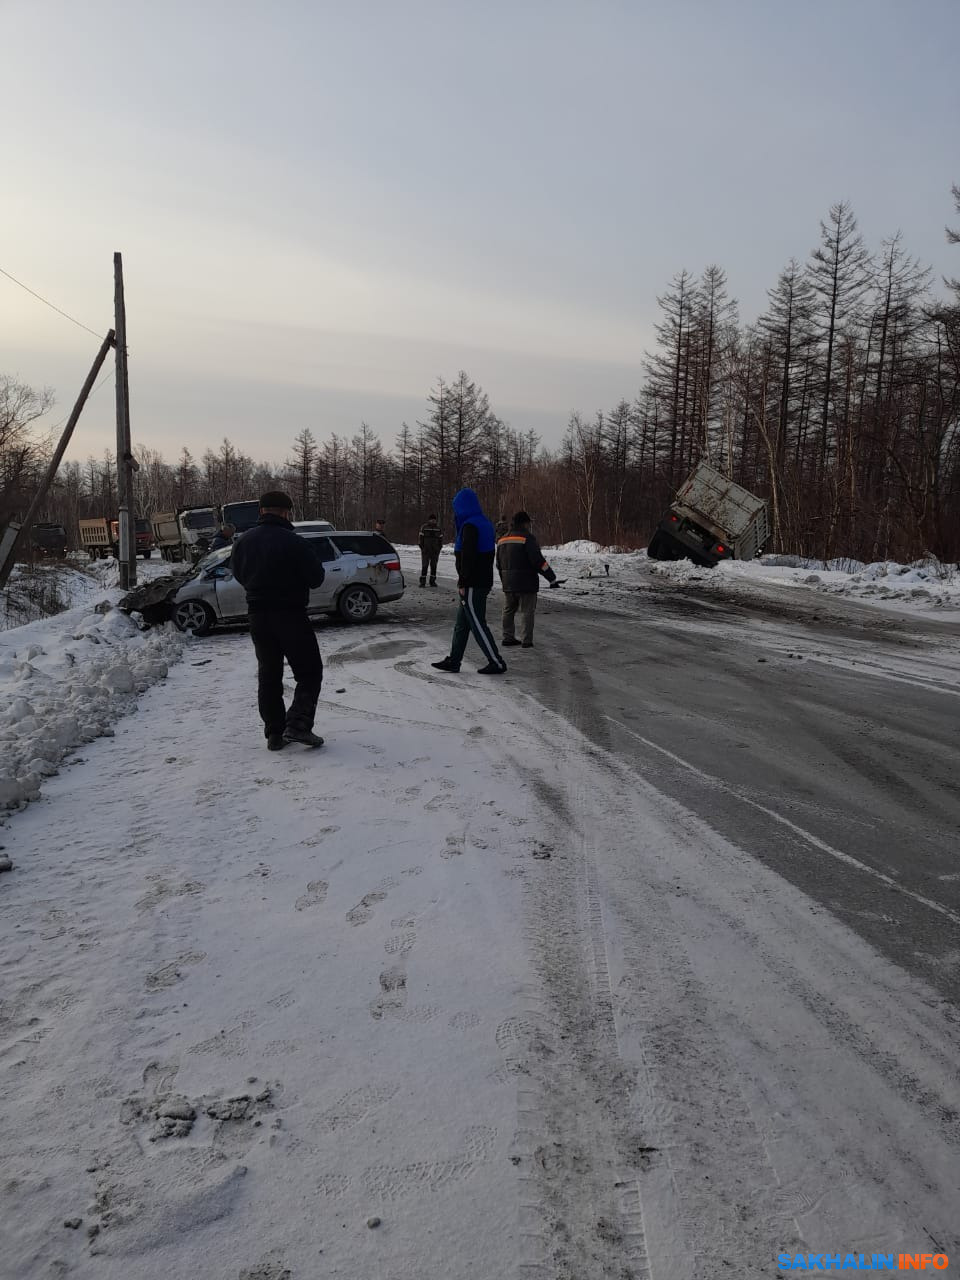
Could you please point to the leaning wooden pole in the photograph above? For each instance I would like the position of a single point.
(40, 495)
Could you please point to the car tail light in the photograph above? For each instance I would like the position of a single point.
(391, 564)
(720, 549)
(673, 519)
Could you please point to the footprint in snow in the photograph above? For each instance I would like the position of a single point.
(315, 894)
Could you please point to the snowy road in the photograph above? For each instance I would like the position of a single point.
(546, 973)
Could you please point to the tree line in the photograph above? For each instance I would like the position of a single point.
(840, 404)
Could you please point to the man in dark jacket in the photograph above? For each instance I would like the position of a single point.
(475, 549)
(277, 569)
(520, 563)
(430, 542)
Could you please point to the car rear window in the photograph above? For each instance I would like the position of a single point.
(321, 547)
(363, 544)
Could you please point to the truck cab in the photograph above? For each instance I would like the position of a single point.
(49, 540)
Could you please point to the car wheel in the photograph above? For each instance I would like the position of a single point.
(146, 554)
(655, 549)
(357, 604)
(193, 615)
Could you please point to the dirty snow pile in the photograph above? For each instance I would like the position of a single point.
(923, 582)
(64, 681)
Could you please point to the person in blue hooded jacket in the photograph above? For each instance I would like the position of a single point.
(476, 548)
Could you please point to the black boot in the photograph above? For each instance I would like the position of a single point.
(447, 664)
(276, 742)
(306, 736)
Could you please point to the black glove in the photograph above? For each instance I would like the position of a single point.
(555, 583)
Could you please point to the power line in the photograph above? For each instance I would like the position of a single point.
(72, 320)
(106, 378)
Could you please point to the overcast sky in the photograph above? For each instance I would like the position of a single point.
(322, 207)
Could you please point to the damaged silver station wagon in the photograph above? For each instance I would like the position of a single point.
(361, 572)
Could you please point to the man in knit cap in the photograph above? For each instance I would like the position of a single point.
(278, 570)
(520, 563)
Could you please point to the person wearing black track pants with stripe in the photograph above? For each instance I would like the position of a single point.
(475, 549)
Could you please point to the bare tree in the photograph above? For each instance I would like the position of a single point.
(22, 447)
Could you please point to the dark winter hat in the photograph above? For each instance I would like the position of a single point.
(520, 518)
(276, 499)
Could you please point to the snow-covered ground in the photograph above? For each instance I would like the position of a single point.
(45, 589)
(460, 995)
(924, 587)
(65, 679)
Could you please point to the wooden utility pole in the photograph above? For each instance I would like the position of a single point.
(6, 564)
(125, 461)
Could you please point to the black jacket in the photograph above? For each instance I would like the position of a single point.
(275, 566)
(431, 538)
(474, 567)
(520, 563)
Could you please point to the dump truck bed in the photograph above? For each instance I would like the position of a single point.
(728, 506)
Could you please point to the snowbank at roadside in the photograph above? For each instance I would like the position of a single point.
(64, 681)
(923, 585)
(42, 590)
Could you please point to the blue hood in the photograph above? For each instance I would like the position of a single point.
(465, 504)
(467, 510)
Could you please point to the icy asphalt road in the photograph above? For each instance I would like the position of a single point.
(819, 735)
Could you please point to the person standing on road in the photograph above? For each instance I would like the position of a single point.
(380, 526)
(223, 537)
(520, 562)
(430, 542)
(277, 569)
(475, 549)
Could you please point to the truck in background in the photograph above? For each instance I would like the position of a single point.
(185, 534)
(101, 538)
(96, 538)
(49, 540)
(242, 515)
(143, 532)
(711, 519)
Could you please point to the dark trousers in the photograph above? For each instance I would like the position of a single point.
(428, 560)
(286, 634)
(472, 619)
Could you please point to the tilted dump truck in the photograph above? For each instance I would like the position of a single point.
(711, 519)
(185, 534)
